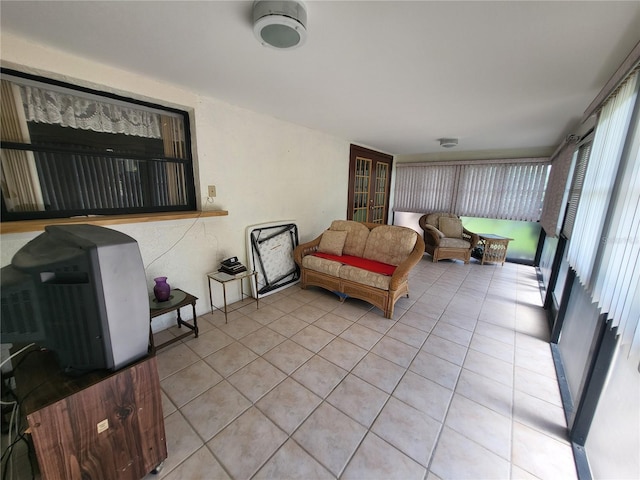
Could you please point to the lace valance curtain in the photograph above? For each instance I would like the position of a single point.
(500, 189)
(59, 108)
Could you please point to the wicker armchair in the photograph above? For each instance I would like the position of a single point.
(445, 237)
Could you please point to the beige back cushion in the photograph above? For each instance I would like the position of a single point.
(332, 242)
(357, 235)
(390, 244)
(451, 227)
(433, 219)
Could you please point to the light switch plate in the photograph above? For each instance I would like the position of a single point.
(212, 190)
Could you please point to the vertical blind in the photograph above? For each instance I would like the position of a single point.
(576, 187)
(556, 194)
(604, 248)
(421, 188)
(599, 180)
(507, 189)
(617, 286)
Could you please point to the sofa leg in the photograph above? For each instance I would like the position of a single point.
(388, 313)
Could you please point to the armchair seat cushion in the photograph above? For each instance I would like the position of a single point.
(454, 242)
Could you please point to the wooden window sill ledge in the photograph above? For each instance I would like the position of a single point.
(38, 225)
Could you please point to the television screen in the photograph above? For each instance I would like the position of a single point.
(80, 291)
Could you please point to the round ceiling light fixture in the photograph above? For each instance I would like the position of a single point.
(448, 142)
(280, 24)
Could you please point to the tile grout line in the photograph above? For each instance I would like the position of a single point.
(438, 321)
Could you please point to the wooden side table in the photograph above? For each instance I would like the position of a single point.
(494, 248)
(177, 300)
(224, 278)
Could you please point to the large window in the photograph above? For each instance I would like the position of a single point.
(68, 151)
(501, 189)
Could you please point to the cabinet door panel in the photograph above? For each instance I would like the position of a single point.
(113, 429)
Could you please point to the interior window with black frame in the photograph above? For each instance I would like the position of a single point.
(70, 151)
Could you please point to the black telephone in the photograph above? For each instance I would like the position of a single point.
(230, 262)
(232, 266)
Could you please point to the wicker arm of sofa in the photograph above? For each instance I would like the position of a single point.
(401, 273)
(305, 249)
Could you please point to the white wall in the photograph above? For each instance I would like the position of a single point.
(264, 170)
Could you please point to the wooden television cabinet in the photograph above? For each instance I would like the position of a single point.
(101, 425)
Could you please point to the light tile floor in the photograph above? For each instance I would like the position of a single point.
(459, 384)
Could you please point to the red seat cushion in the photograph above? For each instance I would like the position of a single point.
(369, 265)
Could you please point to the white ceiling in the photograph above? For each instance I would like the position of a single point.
(392, 75)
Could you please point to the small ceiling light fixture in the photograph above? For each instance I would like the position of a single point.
(448, 142)
(280, 24)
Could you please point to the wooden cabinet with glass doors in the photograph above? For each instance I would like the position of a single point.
(369, 184)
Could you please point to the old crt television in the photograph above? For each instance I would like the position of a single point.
(81, 292)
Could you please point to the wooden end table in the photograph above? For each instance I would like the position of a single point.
(177, 300)
(494, 248)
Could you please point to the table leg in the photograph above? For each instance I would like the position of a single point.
(195, 320)
(210, 295)
(255, 279)
(484, 251)
(224, 297)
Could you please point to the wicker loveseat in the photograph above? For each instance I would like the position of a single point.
(361, 260)
(445, 237)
